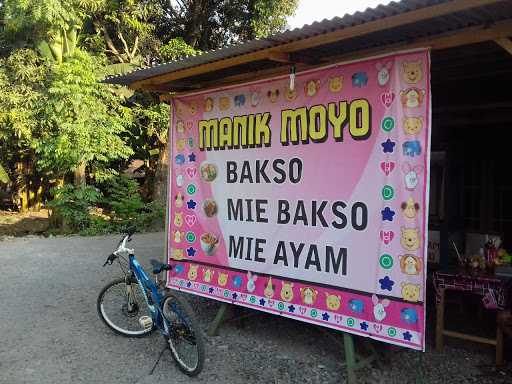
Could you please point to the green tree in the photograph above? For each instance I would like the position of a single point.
(82, 121)
(210, 24)
(51, 26)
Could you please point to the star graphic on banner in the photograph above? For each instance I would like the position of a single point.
(234, 295)
(388, 146)
(189, 284)
(192, 156)
(364, 326)
(387, 214)
(325, 316)
(386, 283)
(291, 308)
(191, 251)
(211, 290)
(191, 204)
(407, 336)
(262, 301)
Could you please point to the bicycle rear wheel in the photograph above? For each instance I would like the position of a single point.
(185, 339)
(125, 313)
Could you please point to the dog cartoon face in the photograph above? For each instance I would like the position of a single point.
(273, 95)
(410, 208)
(308, 295)
(312, 87)
(410, 264)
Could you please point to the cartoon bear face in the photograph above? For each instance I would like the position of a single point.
(273, 95)
(333, 302)
(410, 292)
(207, 275)
(335, 83)
(410, 208)
(287, 291)
(412, 97)
(410, 239)
(192, 272)
(222, 279)
(224, 103)
(312, 87)
(289, 94)
(308, 295)
(178, 219)
(410, 264)
(177, 254)
(412, 125)
(180, 144)
(180, 126)
(412, 71)
(208, 104)
(178, 200)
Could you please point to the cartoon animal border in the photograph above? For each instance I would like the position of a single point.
(404, 328)
(316, 296)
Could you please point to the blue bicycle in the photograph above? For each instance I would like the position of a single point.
(134, 306)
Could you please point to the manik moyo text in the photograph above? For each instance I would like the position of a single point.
(298, 126)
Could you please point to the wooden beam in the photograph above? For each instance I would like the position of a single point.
(462, 37)
(279, 57)
(505, 43)
(322, 39)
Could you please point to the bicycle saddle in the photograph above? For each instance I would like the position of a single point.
(159, 267)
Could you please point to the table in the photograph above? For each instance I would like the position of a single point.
(479, 284)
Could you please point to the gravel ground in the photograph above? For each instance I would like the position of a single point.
(50, 332)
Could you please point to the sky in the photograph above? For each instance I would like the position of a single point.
(317, 10)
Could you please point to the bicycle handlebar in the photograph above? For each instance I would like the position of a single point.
(121, 248)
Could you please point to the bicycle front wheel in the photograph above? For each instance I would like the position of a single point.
(123, 308)
(185, 338)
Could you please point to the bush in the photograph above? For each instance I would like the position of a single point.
(123, 199)
(73, 205)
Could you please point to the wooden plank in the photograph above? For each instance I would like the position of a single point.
(464, 336)
(280, 57)
(462, 37)
(326, 38)
(505, 43)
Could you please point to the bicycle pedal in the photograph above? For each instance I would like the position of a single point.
(146, 322)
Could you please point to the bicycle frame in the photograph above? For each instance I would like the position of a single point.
(151, 294)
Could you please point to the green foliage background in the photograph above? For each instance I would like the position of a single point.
(56, 118)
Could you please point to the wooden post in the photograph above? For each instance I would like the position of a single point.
(213, 330)
(350, 358)
(440, 320)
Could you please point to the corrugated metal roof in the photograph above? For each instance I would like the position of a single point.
(462, 19)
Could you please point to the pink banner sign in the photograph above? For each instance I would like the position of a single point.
(308, 200)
